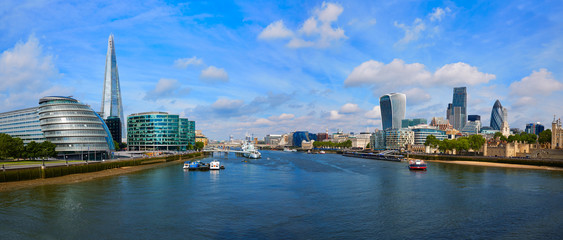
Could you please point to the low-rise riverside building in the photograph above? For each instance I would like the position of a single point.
(156, 131)
(398, 138)
(77, 131)
(377, 140)
(513, 149)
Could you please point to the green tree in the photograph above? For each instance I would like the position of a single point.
(498, 135)
(47, 150)
(368, 146)
(476, 142)
(10, 147)
(123, 145)
(432, 141)
(17, 148)
(199, 145)
(444, 145)
(545, 137)
(116, 144)
(32, 150)
(462, 144)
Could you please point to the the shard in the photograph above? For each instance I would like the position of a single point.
(111, 100)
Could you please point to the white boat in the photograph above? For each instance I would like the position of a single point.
(254, 154)
(187, 165)
(322, 152)
(289, 150)
(214, 165)
(249, 151)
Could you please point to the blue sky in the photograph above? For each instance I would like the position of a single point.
(262, 67)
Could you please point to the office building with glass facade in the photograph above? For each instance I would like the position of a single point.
(377, 140)
(77, 131)
(22, 124)
(114, 126)
(405, 123)
(534, 128)
(393, 107)
(457, 110)
(300, 136)
(111, 98)
(420, 134)
(157, 131)
(498, 115)
(398, 138)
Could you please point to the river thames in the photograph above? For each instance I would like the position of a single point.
(288, 195)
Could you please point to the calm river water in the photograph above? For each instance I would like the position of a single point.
(294, 196)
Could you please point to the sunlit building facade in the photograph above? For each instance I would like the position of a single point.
(111, 99)
(77, 131)
(393, 107)
(157, 131)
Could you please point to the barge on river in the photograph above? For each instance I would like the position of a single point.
(376, 156)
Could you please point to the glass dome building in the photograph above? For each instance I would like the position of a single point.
(78, 131)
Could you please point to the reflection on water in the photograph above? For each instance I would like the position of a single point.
(294, 195)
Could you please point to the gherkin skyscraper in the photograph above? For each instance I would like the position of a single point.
(111, 100)
(498, 115)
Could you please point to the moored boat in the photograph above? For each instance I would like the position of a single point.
(198, 166)
(417, 165)
(187, 165)
(214, 165)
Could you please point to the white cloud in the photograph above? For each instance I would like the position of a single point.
(213, 73)
(329, 12)
(166, 88)
(416, 96)
(419, 26)
(227, 104)
(396, 72)
(26, 73)
(334, 115)
(283, 116)
(438, 14)
(349, 108)
(374, 113)
(411, 32)
(185, 62)
(275, 30)
(316, 31)
(538, 83)
(26, 67)
(399, 73)
(263, 122)
(461, 74)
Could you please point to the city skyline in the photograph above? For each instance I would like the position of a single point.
(245, 67)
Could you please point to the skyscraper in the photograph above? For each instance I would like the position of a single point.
(458, 112)
(498, 115)
(111, 100)
(393, 107)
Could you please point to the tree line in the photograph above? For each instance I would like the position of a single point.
(346, 144)
(462, 144)
(14, 148)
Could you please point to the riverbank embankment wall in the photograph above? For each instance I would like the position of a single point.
(524, 161)
(9, 175)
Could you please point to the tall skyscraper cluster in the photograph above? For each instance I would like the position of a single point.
(457, 110)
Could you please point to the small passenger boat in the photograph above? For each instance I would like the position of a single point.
(198, 166)
(214, 165)
(417, 165)
(187, 165)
